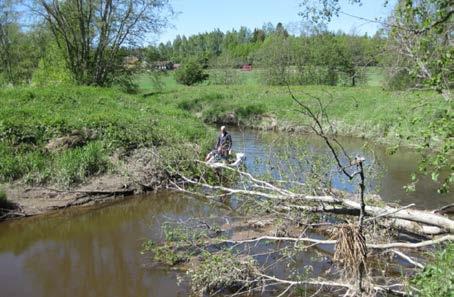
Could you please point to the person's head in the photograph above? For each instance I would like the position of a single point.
(223, 129)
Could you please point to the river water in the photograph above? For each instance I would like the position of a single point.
(96, 251)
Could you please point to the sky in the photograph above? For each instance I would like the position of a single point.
(198, 16)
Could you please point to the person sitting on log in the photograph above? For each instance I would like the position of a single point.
(223, 146)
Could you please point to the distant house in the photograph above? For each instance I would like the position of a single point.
(131, 62)
(246, 67)
(163, 65)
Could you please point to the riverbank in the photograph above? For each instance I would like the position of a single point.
(73, 145)
(369, 112)
(60, 143)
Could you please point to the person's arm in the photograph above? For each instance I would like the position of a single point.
(218, 143)
(230, 142)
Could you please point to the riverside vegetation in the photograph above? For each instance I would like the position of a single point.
(64, 135)
(366, 111)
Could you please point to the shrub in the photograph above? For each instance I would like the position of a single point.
(51, 68)
(222, 271)
(190, 73)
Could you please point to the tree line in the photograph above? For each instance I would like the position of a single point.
(316, 57)
(86, 42)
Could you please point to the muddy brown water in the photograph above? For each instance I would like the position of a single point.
(96, 251)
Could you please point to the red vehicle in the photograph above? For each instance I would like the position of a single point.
(246, 67)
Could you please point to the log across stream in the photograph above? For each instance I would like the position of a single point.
(96, 252)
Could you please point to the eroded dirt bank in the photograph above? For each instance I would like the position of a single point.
(140, 172)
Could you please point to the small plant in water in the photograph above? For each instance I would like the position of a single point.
(222, 270)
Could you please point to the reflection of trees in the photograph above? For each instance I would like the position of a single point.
(398, 167)
(96, 252)
(79, 223)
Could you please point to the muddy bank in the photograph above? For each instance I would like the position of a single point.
(140, 172)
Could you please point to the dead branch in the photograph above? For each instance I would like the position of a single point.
(314, 241)
(427, 223)
(331, 284)
(408, 259)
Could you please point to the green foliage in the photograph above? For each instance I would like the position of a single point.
(399, 80)
(224, 72)
(75, 165)
(222, 270)
(51, 68)
(420, 44)
(190, 73)
(19, 54)
(178, 243)
(93, 34)
(437, 146)
(317, 58)
(437, 278)
(165, 254)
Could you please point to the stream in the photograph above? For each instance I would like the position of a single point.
(95, 251)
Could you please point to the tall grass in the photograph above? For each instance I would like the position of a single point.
(106, 120)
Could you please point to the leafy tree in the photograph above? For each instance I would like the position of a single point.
(92, 32)
(352, 55)
(275, 55)
(8, 28)
(280, 30)
(258, 35)
(190, 73)
(420, 43)
(19, 51)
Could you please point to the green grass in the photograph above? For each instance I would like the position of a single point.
(375, 76)
(31, 117)
(363, 111)
(437, 278)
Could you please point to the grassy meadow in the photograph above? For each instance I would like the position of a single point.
(101, 122)
(368, 110)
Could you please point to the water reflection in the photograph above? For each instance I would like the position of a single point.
(95, 252)
(396, 169)
(92, 252)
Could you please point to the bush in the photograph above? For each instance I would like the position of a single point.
(190, 73)
(437, 279)
(51, 68)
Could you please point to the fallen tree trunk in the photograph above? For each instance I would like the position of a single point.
(414, 215)
(410, 220)
(400, 224)
(314, 241)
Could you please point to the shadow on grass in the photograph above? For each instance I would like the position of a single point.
(151, 94)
